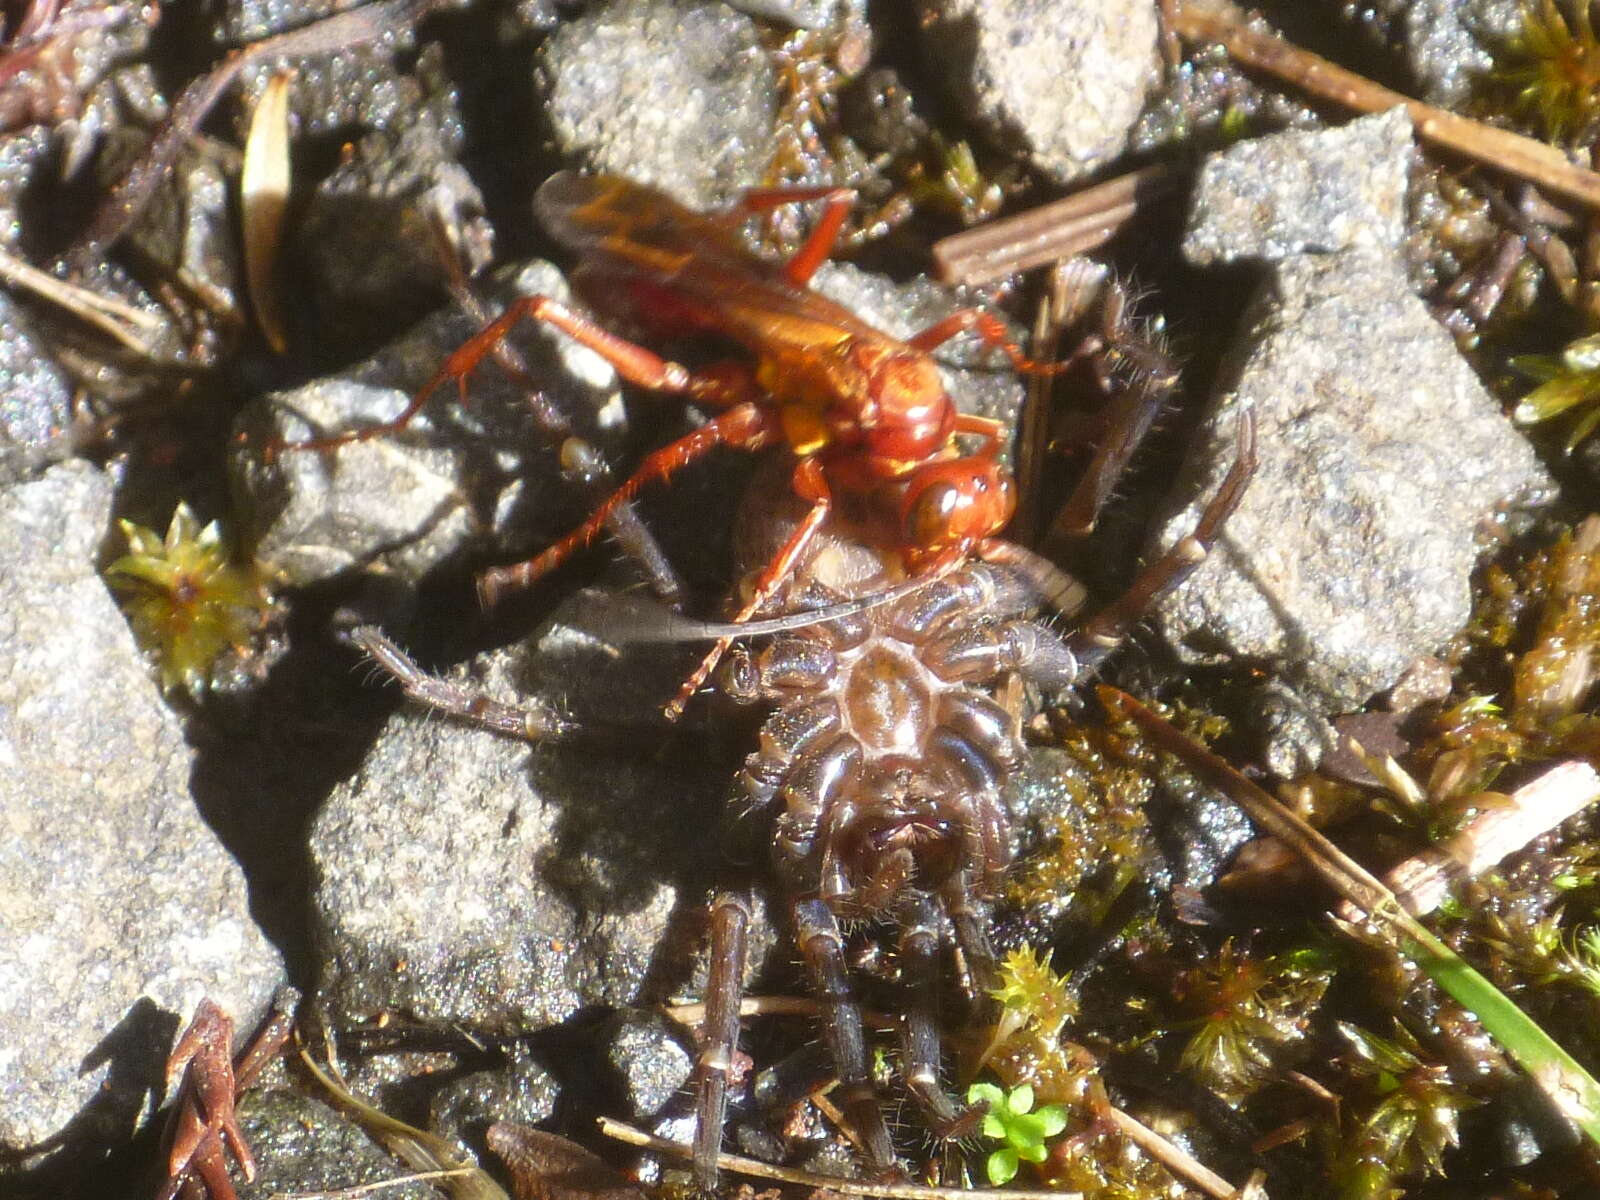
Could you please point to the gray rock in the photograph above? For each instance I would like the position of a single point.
(1381, 455)
(646, 1052)
(1294, 736)
(473, 880)
(460, 479)
(190, 232)
(1289, 193)
(802, 14)
(1060, 81)
(681, 96)
(35, 397)
(303, 1145)
(1447, 44)
(368, 247)
(26, 156)
(522, 1091)
(239, 21)
(100, 36)
(119, 910)
(361, 87)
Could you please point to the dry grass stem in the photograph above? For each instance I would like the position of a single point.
(1174, 1158)
(1072, 225)
(378, 1185)
(740, 1165)
(1510, 152)
(111, 316)
(1422, 882)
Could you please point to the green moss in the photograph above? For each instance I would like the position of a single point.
(185, 598)
(1569, 388)
(1249, 1011)
(1548, 72)
(1404, 1113)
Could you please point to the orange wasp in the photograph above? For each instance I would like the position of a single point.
(864, 414)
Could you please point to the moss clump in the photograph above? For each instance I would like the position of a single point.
(1250, 1011)
(1548, 71)
(1404, 1113)
(185, 597)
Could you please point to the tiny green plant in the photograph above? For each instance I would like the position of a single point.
(1551, 67)
(1011, 1120)
(1569, 386)
(185, 597)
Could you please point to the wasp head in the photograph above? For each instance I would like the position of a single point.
(950, 505)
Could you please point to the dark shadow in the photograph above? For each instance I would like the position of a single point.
(93, 1153)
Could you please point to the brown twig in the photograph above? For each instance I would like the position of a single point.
(1174, 1158)
(1533, 810)
(740, 1165)
(131, 194)
(1072, 225)
(1500, 148)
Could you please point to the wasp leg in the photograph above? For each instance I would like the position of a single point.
(824, 236)
(992, 330)
(580, 461)
(810, 485)
(743, 427)
(715, 388)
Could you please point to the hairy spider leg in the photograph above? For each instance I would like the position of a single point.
(719, 1033)
(919, 1031)
(809, 484)
(821, 944)
(1093, 641)
(535, 721)
(1148, 376)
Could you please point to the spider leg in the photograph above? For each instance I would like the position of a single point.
(1093, 641)
(822, 946)
(969, 916)
(719, 1035)
(919, 957)
(1149, 376)
(533, 723)
(978, 654)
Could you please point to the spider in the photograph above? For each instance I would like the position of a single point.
(880, 767)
